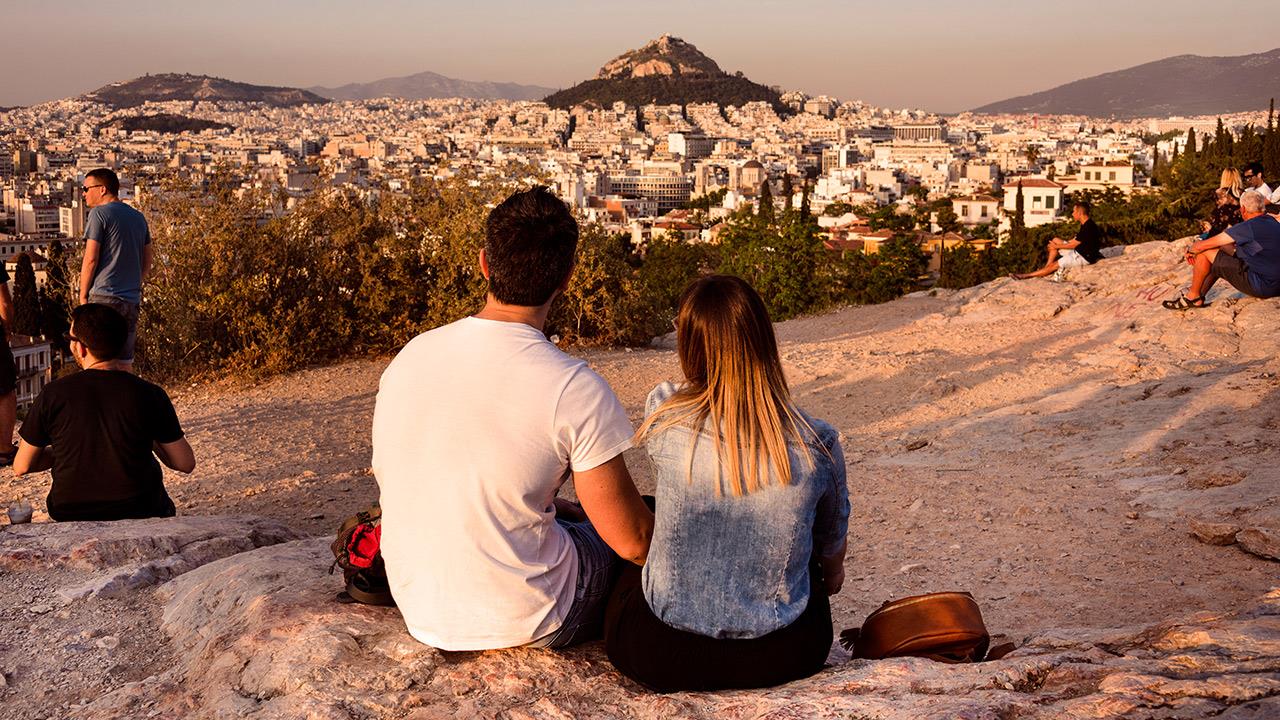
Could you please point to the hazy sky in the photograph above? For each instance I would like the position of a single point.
(942, 55)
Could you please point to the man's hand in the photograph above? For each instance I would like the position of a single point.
(568, 510)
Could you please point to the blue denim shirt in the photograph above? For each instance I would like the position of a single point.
(738, 567)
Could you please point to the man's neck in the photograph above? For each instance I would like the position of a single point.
(92, 364)
(534, 317)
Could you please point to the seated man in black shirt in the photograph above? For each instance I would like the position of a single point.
(98, 430)
(1085, 249)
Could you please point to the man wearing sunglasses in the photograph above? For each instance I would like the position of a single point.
(1252, 177)
(117, 253)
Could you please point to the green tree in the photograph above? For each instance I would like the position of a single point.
(26, 299)
(1018, 223)
(962, 266)
(56, 297)
(947, 219)
(805, 215)
(765, 211)
(837, 208)
(780, 261)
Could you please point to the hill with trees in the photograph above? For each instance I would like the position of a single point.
(666, 71)
(195, 88)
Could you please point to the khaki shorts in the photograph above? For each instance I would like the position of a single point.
(1071, 259)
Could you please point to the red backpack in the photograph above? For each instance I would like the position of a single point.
(356, 550)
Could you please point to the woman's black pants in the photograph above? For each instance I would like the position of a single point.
(666, 659)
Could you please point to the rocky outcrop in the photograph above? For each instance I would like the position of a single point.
(259, 635)
(665, 71)
(667, 55)
(129, 555)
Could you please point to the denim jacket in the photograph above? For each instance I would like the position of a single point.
(738, 567)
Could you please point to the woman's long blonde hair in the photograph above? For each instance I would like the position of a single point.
(1232, 182)
(735, 384)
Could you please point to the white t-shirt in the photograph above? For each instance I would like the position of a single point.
(477, 425)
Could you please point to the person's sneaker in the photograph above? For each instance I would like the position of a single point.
(1059, 276)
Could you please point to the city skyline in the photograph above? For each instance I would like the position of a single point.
(852, 51)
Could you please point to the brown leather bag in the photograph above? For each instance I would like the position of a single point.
(945, 626)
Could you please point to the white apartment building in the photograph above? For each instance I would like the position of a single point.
(976, 209)
(1041, 200)
(670, 191)
(1100, 176)
(34, 360)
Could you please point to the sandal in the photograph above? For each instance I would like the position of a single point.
(1184, 303)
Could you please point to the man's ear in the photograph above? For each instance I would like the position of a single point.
(484, 264)
(567, 277)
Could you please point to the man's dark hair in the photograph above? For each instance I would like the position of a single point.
(99, 328)
(530, 242)
(108, 178)
(1254, 167)
(1084, 205)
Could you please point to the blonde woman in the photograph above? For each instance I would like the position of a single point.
(751, 514)
(1232, 183)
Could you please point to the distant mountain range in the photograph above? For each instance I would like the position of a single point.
(1182, 85)
(426, 85)
(195, 88)
(665, 71)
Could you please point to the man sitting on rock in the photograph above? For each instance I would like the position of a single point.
(101, 429)
(1247, 255)
(477, 425)
(1084, 249)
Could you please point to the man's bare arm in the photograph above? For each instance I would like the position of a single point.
(1216, 241)
(616, 509)
(177, 455)
(31, 459)
(88, 267)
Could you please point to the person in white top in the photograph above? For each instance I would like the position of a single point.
(1252, 177)
(477, 425)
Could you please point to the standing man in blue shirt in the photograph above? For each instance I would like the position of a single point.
(117, 254)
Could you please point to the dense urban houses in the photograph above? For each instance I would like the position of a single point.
(625, 167)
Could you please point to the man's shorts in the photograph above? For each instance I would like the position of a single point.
(1071, 259)
(1233, 270)
(598, 568)
(130, 312)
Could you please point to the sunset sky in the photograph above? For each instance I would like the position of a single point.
(940, 55)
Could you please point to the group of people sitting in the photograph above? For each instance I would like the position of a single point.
(720, 580)
(1240, 242)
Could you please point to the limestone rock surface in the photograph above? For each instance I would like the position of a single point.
(258, 635)
(133, 554)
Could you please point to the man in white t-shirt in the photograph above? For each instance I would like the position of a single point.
(477, 425)
(1252, 178)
